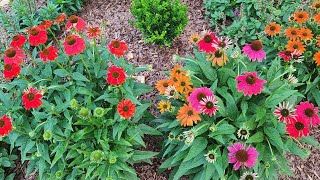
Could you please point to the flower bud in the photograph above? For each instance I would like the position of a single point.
(31, 134)
(47, 135)
(59, 174)
(96, 156)
(112, 158)
(84, 113)
(98, 112)
(74, 104)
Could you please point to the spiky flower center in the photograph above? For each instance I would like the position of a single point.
(242, 155)
(165, 106)
(249, 177)
(287, 53)
(174, 79)
(250, 79)
(222, 44)
(10, 52)
(211, 156)
(172, 92)
(309, 112)
(285, 112)
(301, 16)
(295, 46)
(46, 52)
(200, 96)
(34, 31)
(71, 40)
(183, 83)
(272, 28)
(304, 34)
(243, 132)
(165, 84)
(190, 113)
(73, 19)
(116, 44)
(195, 39)
(2, 123)
(15, 38)
(209, 105)
(299, 126)
(207, 38)
(115, 74)
(94, 30)
(256, 45)
(218, 53)
(30, 96)
(317, 5)
(7, 67)
(294, 32)
(125, 108)
(295, 57)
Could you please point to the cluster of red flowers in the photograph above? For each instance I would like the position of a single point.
(299, 119)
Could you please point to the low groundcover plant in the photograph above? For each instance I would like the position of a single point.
(71, 107)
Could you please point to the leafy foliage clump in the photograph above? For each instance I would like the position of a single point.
(160, 21)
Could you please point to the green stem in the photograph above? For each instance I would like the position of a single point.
(21, 132)
(55, 38)
(61, 67)
(85, 65)
(202, 126)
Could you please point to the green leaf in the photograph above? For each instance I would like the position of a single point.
(256, 138)
(145, 129)
(274, 137)
(140, 110)
(278, 96)
(59, 150)
(142, 155)
(197, 146)
(60, 73)
(294, 149)
(79, 77)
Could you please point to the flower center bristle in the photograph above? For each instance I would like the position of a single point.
(222, 44)
(207, 38)
(165, 84)
(209, 105)
(300, 16)
(309, 112)
(10, 52)
(165, 106)
(190, 113)
(272, 28)
(256, 45)
(178, 71)
(250, 79)
(94, 30)
(183, 83)
(34, 31)
(287, 53)
(294, 32)
(172, 92)
(243, 132)
(242, 155)
(2, 123)
(46, 52)
(73, 19)
(125, 108)
(7, 67)
(174, 79)
(211, 156)
(30, 96)
(295, 46)
(249, 177)
(116, 44)
(71, 40)
(295, 57)
(200, 96)
(299, 126)
(218, 53)
(285, 112)
(15, 38)
(304, 34)
(115, 74)
(317, 6)
(195, 40)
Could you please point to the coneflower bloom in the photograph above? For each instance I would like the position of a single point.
(296, 45)
(285, 112)
(74, 45)
(61, 18)
(317, 18)
(188, 116)
(49, 53)
(5, 125)
(164, 106)
(76, 22)
(242, 156)
(254, 51)
(31, 98)
(298, 128)
(194, 39)
(93, 32)
(222, 43)
(116, 76)
(11, 70)
(316, 58)
(308, 112)
(205, 44)
(305, 34)
(126, 108)
(211, 156)
(243, 132)
(292, 79)
(13, 55)
(316, 5)
(249, 176)
(163, 84)
(37, 36)
(272, 29)
(176, 71)
(285, 55)
(301, 17)
(292, 33)
(208, 105)
(171, 92)
(197, 96)
(250, 84)
(18, 41)
(297, 56)
(218, 57)
(44, 25)
(183, 83)
(118, 48)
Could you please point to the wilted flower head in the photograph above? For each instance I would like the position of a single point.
(47, 135)
(243, 132)
(189, 136)
(84, 113)
(97, 156)
(98, 112)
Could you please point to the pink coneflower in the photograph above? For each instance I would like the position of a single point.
(221, 43)
(250, 84)
(285, 112)
(296, 56)
(208, 105)
(76, 22)
(298, 127)
(205, 44)
(197, 96)
(285, 55)
(242, 156)
(309, 112)
(254, 51)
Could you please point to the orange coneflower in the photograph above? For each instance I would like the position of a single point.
(194, 39)
(188, 116)
(162, 85)
(187, 92)
(219, 57)
(272, 29)
(316, 5)
(317, 18)
(316, 58)
(296, 45)
(292, 33)
(301, 17)
(183, 83)
(177, 71)
(305, 34)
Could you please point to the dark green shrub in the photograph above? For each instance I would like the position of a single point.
(160, 21)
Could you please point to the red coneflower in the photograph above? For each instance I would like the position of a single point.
(285, 55)
(31, 98)
(14, 55)
(5, 125)
(11, 70)
(205, 44)
(60, 18)
(44, 25)
(118, 48)
(76, 22)
(74, 45)
(37, 36)
(126, 108)
(18, 41)
(116, 76)
(49, 53)
(298, 127)
(93, 32)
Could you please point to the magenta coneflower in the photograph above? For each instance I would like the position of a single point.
(285, 55)
(198, 95)
(205, 44)
(308, 112)
(250, 84)
(208, 105)
(221, 43)
(254, 51)
(242, 156)
(285, 112)
(296, 56)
